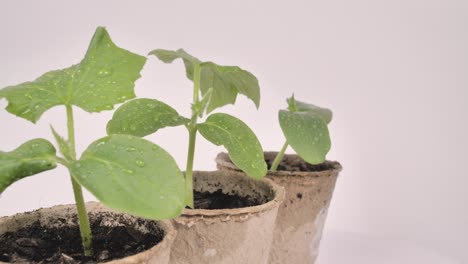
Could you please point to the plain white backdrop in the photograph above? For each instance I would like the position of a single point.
(395, 73)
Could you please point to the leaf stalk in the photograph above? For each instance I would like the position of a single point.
(279, 157)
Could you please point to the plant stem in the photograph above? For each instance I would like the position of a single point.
(279, 157)
(192, 128)
(85, 228)
(189, 169)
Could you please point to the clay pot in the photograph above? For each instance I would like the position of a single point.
(228, 236)
(65, 216)
(302, 215)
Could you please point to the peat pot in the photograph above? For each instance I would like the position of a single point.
(219, 232)
(302, 215)
(114, 234)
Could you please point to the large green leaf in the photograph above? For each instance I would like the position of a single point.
(298, 106)
(131, 174)
(307, 134)
(30, 158)
(142, 117)
(226, 81)
(105, 77)
(241, 143)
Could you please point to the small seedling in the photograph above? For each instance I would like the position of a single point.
(124, 172)
(305, 128)
(217, 86)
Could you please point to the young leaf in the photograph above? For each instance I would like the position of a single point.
(307, 134)
(105, 77)
(64, 147)
(200, 107)
(131, 174)
(168, 56)
(298, 106)
(241, 143)
(30, 158)
(226, 81)
(142, 117)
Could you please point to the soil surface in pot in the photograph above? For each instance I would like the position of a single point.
(220, 200)
(298, 164)
(37, 244)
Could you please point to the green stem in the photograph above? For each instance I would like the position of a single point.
(279, 157)
(192, 128)
(189, 169)
(85, 228)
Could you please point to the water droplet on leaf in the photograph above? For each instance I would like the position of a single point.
(104, 72)
(128, 171)
(140, 163)
(131, 149)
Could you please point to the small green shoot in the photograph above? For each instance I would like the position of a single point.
(124, 172)
(305, 128)
(217, 86)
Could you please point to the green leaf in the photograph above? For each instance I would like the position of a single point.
(298, 106)
(241, 143)
(133, 175)
(142, 117)
(30, 158)
(307, 134)
(226, 81)
(168, 56)
(105, 77)
(63, 144)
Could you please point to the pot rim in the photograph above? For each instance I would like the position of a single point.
(96, 208)
(223, 161)
(278, 197)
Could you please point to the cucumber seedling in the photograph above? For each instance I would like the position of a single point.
(124, 172)
(305, 128)
(213, 86)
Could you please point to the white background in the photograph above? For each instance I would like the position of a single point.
(394, 72)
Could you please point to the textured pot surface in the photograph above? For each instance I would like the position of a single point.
(61, 215)
(228, 236)
(302, 215)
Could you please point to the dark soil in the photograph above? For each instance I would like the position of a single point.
(220, 200)
(298, 165)
(36, 244)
